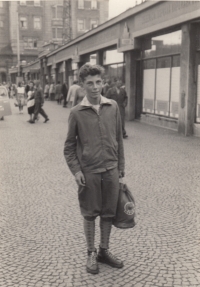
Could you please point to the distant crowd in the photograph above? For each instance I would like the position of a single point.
(32, 95)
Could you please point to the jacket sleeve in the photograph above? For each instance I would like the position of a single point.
(121, 159)
(70, 146)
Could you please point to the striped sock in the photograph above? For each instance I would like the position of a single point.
(89, 229)
(105, 227)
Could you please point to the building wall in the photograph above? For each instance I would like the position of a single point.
(4, 19)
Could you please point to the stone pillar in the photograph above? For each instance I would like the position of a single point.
(130, 82)
(100, 57)
(187, 97)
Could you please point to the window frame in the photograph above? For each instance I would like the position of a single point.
(93, 20)
(81, 4)
(36, 2)
(40, 22)
(94, 7)
(56, 11)
(22, 2)
(23, 28)
(56, 33)
(79, 23)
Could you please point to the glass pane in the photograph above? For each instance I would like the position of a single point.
(162, 45)
(164, 62)
(176, 61)
(149, 64)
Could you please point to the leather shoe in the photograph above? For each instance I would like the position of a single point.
(92, 265)
(105, 256)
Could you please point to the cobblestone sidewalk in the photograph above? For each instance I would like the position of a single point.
(41, 234)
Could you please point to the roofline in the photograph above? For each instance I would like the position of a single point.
(131, 11)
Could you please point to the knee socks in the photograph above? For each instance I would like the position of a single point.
(89, 229)
(105, 229)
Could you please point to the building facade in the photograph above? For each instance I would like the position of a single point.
(43, 22)
(158, 50)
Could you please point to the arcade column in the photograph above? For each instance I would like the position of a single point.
(99, 58)
(187, 97)
(130, 81)
(41, 74)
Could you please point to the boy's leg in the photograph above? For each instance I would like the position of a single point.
(105, 229)
(90, 201)
(110, 193)
(89, 229)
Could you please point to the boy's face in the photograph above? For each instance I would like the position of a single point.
(93, 86)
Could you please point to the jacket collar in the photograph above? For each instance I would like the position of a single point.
(86, 104)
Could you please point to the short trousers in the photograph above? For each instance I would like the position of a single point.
(100, 195)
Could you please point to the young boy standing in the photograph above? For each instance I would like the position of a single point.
(95, 155)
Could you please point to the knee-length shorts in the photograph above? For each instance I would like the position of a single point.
(100, 195)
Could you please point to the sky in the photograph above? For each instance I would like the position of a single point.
(116, 7)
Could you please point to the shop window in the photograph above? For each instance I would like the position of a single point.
(1, 24)
(81, 25)
(23, 22)
(164, 62)
(80, 4)
(94, 4)
(162, 45)
(37, 3)
(93, 24)
(113, 57)
(37, 23)
(22, 2)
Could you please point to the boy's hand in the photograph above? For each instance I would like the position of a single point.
(80, 179)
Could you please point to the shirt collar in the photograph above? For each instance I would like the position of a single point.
(86, 103)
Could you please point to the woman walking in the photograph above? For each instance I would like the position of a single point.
(20, 97)
(31, 102)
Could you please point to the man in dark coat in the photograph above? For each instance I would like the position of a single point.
(118, 94)
(39, 101)
(64, 91)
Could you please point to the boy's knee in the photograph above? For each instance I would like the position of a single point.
(107, 219)
(89, 218)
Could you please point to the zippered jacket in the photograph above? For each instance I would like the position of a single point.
(94, 141)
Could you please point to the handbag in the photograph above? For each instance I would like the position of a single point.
(125, 214)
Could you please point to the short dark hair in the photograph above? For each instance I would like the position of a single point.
(90, 70)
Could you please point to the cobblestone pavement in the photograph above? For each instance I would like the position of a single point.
(41, 234)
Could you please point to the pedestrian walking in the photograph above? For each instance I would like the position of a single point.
(78, 97)
(52, 91)
(39, 101)
(46, 91)
(64, 91)
(72, 92)
(58, 93)
(31, 101)
(20, 97)
(95, 155)
(118, 94)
